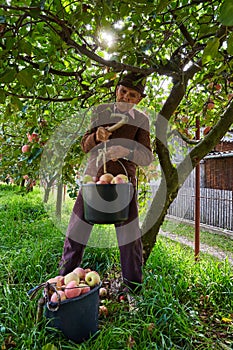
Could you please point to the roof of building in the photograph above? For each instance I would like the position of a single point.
(215, 154)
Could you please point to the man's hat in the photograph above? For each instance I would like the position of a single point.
(134, 81)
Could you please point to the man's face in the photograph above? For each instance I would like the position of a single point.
(126, 98)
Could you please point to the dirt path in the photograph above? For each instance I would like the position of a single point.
(204, 248)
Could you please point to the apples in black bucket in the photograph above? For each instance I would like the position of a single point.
(106, 201)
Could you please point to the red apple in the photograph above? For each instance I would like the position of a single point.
(106, 177)
(54, 297)
(60, 281)
(72, 290)
(117, 180)
(210, 105)
(121, 298)
(80, 272)
(25, 148)
(103, 292)
(84, 288)
(92, 278)
(120, 179)
(71, 277)
(29, 136)
(218, 86)
(35, 136)
(103, 310)
(124, 177)
(101, 182)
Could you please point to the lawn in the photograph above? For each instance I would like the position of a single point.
(183, 304)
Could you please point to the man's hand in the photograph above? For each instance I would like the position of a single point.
(116, 152)
(102, 134)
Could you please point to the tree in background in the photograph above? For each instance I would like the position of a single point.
(59, 57)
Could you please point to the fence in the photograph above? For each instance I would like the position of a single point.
(216, 207)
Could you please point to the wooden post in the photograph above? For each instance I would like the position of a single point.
(197, 199)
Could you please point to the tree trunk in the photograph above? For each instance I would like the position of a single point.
(59, 200)
(46, 194)
(173, 179)
(161, 202)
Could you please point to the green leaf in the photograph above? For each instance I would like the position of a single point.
(124, 9)
(25, 47)
(16, 103)
(8, 75)
(230, 44)
(49, 346)
(211, 50)
(36, 152)
(161, 5)
(2, 96)
(226, 11)
(25, 78)
(2, 19)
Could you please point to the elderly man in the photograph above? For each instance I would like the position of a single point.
(126, 147)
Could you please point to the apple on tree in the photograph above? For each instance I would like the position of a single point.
(25, 148)
(35, 137)
(218, 87)
(29, 136)
(210, 104)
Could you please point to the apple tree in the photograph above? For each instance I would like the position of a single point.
(61, 56)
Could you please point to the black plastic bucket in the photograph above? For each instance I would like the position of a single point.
(107, 203)
(77, 318)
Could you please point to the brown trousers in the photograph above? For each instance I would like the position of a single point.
(128, 237)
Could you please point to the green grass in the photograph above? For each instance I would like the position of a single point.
(183, 304)
(217, 240)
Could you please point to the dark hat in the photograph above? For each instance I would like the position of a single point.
(134, 81)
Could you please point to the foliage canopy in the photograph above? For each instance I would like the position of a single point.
(58, 57)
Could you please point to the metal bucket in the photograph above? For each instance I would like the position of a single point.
(77, 318)
(107, 203)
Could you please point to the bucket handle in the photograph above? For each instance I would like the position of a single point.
(102, 152)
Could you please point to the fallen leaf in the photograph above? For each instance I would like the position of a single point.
(227, 320)
(131, 342)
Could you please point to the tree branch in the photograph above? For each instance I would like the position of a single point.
(50, 70)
